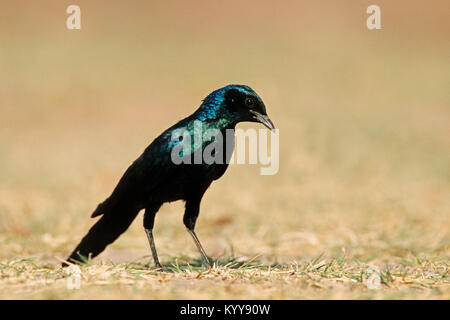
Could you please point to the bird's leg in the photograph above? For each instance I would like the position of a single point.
(153, 248)
(199, 247)
(149, 219)
(189, 219)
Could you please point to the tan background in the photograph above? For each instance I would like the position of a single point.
(364, 120)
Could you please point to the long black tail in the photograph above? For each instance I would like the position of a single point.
(110, 226)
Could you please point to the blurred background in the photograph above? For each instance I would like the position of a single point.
(364, 119)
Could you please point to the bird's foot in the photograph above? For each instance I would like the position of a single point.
(207, 262)
(158, 267)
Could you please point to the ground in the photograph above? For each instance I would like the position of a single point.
(364, 176)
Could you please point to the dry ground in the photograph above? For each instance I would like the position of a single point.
(364, 120)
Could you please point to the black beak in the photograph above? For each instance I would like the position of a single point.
(264, 119)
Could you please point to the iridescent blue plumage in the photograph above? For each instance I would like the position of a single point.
(213, 114)
(154, 178)
(213, 105)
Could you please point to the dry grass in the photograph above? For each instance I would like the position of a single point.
(364, 122)
(228, 279)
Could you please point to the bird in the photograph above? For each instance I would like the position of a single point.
(154, 178)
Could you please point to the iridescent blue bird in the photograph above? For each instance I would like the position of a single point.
(154, 178)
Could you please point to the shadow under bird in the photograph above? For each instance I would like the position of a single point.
(154, 178)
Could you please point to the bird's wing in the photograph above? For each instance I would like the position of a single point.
(144, 175)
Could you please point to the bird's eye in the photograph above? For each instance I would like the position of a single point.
(249, 102)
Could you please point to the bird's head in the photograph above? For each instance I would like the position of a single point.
(238, 103)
